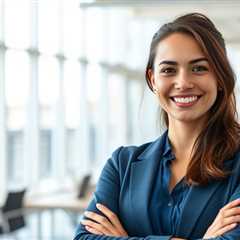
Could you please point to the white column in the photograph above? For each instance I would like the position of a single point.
(102, 128)
(3, 145)
(126, 135)
(59, 131)
(59, 136)
(82, 133)
(31, 134)
(102, 116)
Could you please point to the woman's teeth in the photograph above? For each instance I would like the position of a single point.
(185, 99)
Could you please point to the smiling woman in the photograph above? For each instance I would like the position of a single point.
(185, 184)
(183, 81)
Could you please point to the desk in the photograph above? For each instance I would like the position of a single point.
(61, 200)
(66, 201)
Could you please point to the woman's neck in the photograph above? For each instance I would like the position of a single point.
(182, 137)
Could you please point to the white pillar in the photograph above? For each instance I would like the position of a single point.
(82, 133)
(3, 145)
(3, 152)
(59, 136)
(102, 128)
(31, 131)
(59, 131)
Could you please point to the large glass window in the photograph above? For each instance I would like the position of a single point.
(48, 96)
(17, 23)
(72, 98)
(17, 90)
(49, 29)
(72, 29)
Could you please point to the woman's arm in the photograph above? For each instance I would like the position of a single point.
(109, 225)
(107, 193)
(226, 220)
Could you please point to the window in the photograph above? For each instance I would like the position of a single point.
(17, 90)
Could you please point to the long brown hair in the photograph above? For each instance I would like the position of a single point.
(220, 138)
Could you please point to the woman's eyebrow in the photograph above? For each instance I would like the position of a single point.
(198, 60)
(174, 63)
(168, 62)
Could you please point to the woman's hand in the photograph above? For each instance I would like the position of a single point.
(227, 219)
(108, 224)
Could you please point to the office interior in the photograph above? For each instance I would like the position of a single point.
(72, 90)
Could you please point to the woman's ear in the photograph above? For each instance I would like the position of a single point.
(151, 79)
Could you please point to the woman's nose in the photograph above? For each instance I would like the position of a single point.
(183, 81)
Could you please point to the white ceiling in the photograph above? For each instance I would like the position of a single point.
(225, 14)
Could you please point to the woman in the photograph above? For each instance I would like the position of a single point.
(186, 184)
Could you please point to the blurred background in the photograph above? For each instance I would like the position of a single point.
(72, 90)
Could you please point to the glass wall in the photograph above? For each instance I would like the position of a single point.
(69, 97)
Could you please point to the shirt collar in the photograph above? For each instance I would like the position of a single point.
(167, 151)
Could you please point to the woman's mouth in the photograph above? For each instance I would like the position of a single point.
(185, 101)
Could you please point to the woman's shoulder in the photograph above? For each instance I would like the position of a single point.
(130, 153)
(126, 155)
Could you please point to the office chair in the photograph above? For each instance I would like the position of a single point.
(84, 186)
(12, 213)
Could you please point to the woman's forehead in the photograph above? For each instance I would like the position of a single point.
(178, 47)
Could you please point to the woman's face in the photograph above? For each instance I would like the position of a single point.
(186, 85)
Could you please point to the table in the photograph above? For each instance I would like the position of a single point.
(66, 201)
(60, 200)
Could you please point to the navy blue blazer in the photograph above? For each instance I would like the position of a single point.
(125, 186)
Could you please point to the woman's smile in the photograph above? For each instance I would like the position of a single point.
(185, 101)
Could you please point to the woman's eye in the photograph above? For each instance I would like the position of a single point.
(168, 70)
(199, 69)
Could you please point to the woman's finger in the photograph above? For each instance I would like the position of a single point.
(227, 218)
(93, 230)
(214, 231)
(99, 219)
(225, 229)
(221, 226)
(111, 216)
(231, 204)
(231, 212)
(98, 227)
(220, 223)
(230, 220)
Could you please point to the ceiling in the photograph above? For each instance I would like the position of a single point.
(225, 14)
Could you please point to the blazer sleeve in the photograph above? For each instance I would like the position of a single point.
(234, 234)
(107, 193)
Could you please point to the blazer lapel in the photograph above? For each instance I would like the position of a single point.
(194, 207)
(142, 178)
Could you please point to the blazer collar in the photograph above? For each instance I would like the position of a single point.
(142, 180)
(160, 147)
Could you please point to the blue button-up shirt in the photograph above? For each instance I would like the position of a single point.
(167, 207)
